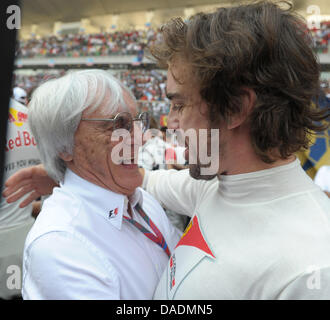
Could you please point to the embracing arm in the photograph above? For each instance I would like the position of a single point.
(33, 180)
(175, 190)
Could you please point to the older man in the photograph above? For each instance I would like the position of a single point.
(259, 226)
(98, 236)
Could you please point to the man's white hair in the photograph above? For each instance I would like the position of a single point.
(57, 105)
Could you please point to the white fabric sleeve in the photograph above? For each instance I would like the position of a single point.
(313, 285)
(60, 266)
(322, 178)
(175, 190)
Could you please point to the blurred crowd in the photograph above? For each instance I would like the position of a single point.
(321, 37)
(147, 86)
(29, 82)
(325, 85)
(121, 43)
(78, 45)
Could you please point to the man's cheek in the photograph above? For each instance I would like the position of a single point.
(117, 152)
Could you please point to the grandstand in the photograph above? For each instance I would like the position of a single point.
(96, 32)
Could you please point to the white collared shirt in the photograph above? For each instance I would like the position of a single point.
(80, 247)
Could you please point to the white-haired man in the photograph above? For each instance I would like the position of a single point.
(91, 239)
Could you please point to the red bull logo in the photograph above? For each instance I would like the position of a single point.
(22, 139)
(17, 117)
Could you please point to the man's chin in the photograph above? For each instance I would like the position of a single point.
(195, 172)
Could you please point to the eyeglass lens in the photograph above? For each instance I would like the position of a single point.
(124, 121)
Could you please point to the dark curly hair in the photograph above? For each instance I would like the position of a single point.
(263, 46)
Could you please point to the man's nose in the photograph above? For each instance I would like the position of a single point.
(172, 120)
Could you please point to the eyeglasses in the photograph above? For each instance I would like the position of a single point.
(124, 120)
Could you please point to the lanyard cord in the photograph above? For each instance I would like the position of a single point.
(158, 239)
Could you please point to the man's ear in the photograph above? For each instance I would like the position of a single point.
(66, 156)
(248, 100)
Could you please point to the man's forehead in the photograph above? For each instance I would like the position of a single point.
(128, 104)
(180, 82)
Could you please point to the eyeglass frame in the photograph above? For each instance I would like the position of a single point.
(139, 118)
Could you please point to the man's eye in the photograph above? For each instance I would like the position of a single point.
(177, 107)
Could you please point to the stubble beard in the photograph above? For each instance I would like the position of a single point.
(195, 172)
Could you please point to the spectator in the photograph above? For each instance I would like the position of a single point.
(77, 45)
(15, 222)
(20, 95)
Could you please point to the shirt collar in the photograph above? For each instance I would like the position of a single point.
(265, 185)
(112, 206)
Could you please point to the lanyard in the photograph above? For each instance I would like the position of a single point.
(159, 238)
